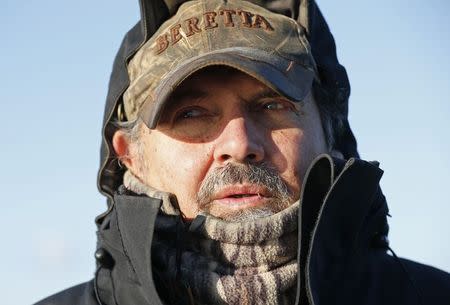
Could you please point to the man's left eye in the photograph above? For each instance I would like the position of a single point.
(274, 106)
(277, 105)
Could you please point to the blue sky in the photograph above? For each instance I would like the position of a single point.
(56, 58)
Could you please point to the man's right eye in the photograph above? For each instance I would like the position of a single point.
(193, 123)
(190, 113)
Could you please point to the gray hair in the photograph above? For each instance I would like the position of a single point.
(131, 129)
(331, 117)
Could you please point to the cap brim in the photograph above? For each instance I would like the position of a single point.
(285, 76)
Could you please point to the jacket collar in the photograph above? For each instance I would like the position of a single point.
(341, 209)
(126, 233)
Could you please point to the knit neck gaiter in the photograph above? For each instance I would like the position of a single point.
(220, 262)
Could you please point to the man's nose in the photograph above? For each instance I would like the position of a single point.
(240, 141)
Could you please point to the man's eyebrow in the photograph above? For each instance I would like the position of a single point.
(265, 93)
(270, 93)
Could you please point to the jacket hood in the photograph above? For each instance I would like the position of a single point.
(332, 75)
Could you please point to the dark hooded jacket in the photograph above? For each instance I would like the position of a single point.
(343, 247)
(342, 254)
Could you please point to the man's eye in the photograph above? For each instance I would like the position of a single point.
(277, 105)
(274, 105)
(190, 113)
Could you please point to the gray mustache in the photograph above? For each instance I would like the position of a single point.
(232, 173)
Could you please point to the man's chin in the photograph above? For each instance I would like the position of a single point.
(247, 213)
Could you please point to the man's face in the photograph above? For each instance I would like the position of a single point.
(228, 144)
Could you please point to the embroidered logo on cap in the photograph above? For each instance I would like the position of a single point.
(208, 21)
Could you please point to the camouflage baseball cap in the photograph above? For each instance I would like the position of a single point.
(270, 47)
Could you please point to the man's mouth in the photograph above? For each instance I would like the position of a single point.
(241, 196)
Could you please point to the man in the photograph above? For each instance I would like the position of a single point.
(219, 127)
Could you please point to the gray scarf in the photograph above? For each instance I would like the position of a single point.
(220, 262)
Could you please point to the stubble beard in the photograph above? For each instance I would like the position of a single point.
(258, 174)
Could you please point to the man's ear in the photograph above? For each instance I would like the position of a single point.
(121, 145)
